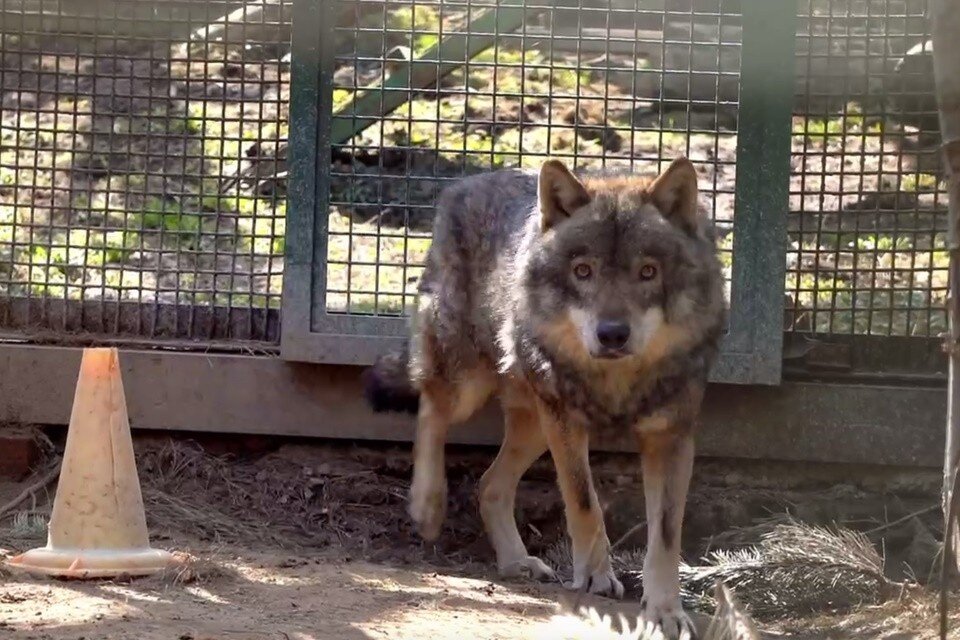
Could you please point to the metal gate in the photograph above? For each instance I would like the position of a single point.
(406, 96)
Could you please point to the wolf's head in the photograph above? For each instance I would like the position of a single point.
(623, 266)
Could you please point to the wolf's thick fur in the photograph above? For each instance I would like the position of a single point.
(584, 303)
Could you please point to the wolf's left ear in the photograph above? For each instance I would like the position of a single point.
(675, 193)
(559, 193)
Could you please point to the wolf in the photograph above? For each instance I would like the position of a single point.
(586, 303)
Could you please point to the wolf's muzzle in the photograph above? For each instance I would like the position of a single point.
(613, 335)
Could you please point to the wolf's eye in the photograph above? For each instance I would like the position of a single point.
(582, 271)
(648, 272)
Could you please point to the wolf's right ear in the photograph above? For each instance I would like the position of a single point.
(559, 193)
(675, 193)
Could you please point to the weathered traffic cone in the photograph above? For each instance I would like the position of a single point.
(98, 528)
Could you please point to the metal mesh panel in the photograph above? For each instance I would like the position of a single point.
(868, 230)
(141, 192)
(142, 149)
(475, 85)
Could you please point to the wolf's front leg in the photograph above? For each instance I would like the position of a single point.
(443, 403)
(591, 549)
(667, 467)
(428, 491)
(523, 443)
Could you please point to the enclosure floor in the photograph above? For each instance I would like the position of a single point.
(258, 596)
(343, 564)
(277, 596)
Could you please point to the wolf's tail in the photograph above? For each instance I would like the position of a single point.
(387, 385)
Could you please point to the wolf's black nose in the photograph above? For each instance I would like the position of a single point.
(613, 334)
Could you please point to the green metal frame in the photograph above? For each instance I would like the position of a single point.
(752, 349)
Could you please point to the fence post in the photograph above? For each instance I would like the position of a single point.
(945, 26)
(309, 162)
(767, 68)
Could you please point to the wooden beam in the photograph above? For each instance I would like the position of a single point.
(798, 421)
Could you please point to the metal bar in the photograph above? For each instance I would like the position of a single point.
(763, 179)
(905, 357)
(843, 423)
(309, 170)
(945, 19)
(424, 71)
(126, 319)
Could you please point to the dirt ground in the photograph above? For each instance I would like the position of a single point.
(311, 542)
(259, 595)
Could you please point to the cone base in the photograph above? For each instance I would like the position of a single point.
(83, 563)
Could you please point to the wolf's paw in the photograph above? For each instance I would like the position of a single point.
(428, 508)
(669, 618)
(602, 582)
(528, 567)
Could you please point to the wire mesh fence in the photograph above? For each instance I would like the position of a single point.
(868, 230)
(143, 147)
(469, 86)
(134, 137)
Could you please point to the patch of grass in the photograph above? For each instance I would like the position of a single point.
(211, 200)
(46, 276)
(161, 214)
(570, 80)
(119, 245)
(27, 526)
(255, 301)
(192, 126)
(391, 282)
(919, 182)
(502, 56)
(672, 140)
(422, 42)
(725, 246)
(219, 144)
(340, 98)
(7, 219)
(422, 24)
(877, 284)
(819, 130)
(248, 206)
(827, 130)
(262, 236)
(196, 119)
(216, 203)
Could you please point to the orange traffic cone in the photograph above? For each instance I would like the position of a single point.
(98, 528)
